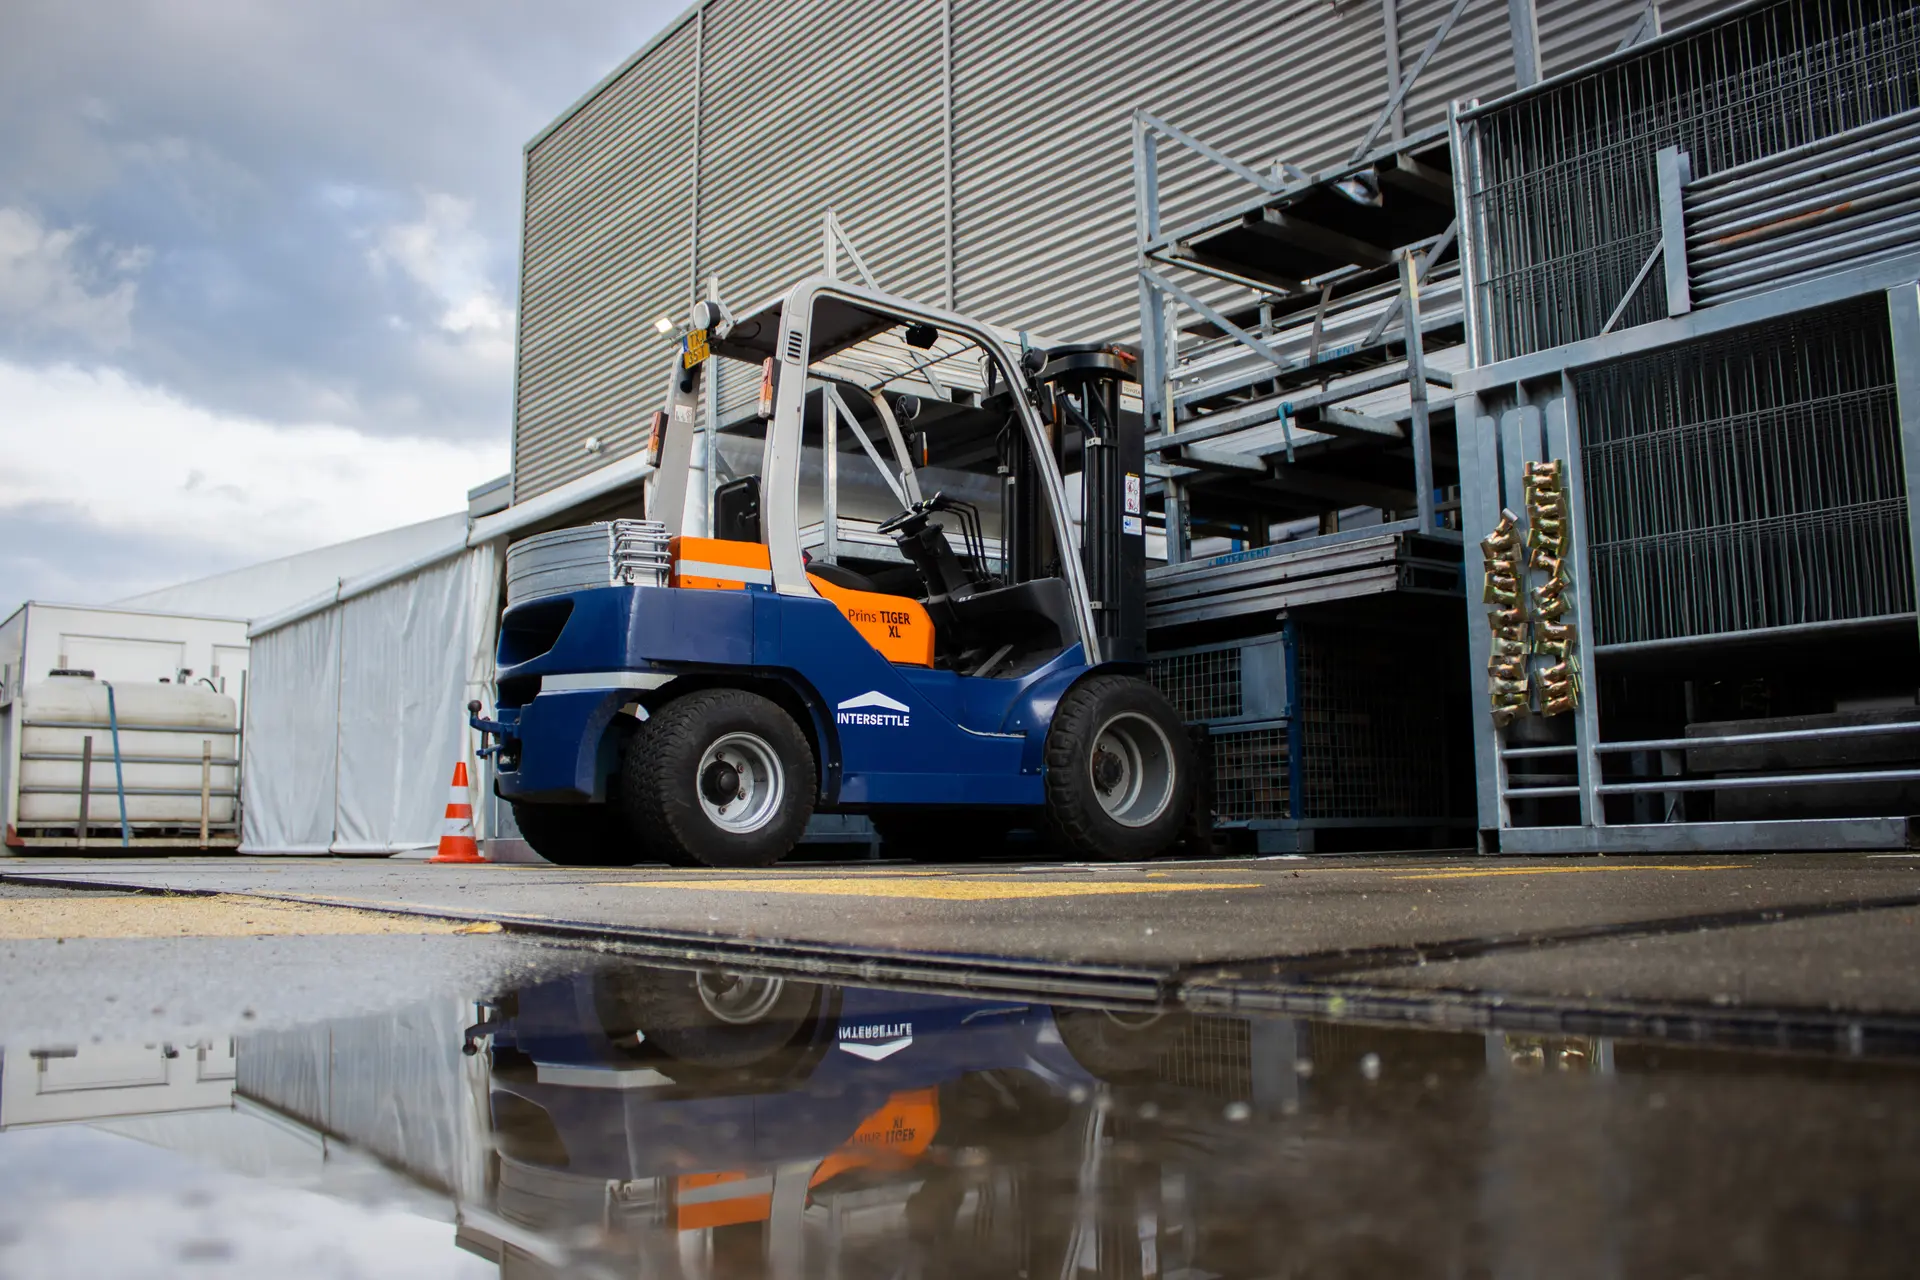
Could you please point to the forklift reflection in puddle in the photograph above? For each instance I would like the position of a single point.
(703, 1123)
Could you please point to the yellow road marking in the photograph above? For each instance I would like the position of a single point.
(948, 890)
(425, 911)
(221, 916)
(1566, 871)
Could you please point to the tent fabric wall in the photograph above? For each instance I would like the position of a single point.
(287, 766)
(395, 1085)
(357, 712)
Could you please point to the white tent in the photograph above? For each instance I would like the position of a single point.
(274, 586)
(357, 701)
(357, 713)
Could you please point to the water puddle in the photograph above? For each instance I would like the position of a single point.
(637, 1121)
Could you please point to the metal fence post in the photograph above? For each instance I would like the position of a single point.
(86, 790)
(1417, 388)
(206, 787)
(1903, 320)
(1672, 171)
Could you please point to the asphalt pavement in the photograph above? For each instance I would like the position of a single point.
(1795, 947)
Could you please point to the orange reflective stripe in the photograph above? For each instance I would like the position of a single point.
(698, 563)
(721, 1199)
(898, 626)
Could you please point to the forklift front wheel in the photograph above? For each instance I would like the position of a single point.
(1120, 772)
(726, 779)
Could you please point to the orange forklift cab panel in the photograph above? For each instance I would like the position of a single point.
(897, 626)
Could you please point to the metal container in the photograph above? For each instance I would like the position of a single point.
(608, 553)
(176, 747)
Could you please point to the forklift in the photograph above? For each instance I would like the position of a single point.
(902, 614)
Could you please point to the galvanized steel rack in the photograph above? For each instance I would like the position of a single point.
(1298, 383)
(1690, 295)
(1337, 730)
(1296, 348)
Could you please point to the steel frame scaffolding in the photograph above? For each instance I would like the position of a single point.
(1314, 396)
(1297, 355)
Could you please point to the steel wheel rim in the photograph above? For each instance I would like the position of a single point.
(1132, 755)
(738, 999)
(762, 783)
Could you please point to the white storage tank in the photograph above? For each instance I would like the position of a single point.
(177, 751)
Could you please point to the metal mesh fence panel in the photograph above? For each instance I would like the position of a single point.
(1201, 686)
(1212, 1055)
(1250, 774)
(1750, 482)
(1372, 724)
(1565, 197)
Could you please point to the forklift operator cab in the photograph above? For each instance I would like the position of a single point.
(900, 615)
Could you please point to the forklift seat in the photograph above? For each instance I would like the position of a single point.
(1030, 616)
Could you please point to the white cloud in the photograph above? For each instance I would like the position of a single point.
(231, 1228)
(444, 254)
(48, 285)
(138, 460)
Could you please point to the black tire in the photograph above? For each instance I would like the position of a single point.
(1120, 771)
(577, 835)
(667, 788)
(1119, 1047)
(711, 1020)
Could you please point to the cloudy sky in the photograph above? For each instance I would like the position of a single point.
(257, 264)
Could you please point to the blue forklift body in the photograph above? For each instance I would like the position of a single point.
(885, 734)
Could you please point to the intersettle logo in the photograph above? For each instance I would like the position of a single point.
(872, 707)
(876, 1040)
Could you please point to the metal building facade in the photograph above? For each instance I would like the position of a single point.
(975, 150)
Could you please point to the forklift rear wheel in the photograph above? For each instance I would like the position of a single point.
(727, 780)
(576, 835)
(712, 1019)
(1120, 772)
(1121, 1047)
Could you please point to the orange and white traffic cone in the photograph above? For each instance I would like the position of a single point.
(456, 837)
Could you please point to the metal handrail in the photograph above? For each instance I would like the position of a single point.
(1778, 780)
(43, 790)
(75, 757)
(1718, 784)
(1724, 740)
(132, 728)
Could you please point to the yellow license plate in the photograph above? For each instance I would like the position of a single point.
(696, 349)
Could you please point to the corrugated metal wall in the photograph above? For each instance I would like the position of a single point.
(768, 112)
(847, 115)
(606, 248)
(1475, 60)
(1043, 104)
(1577, 31)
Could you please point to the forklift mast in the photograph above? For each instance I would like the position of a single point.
(1081, 389)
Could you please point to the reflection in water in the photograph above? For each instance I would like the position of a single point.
(652, 1122)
